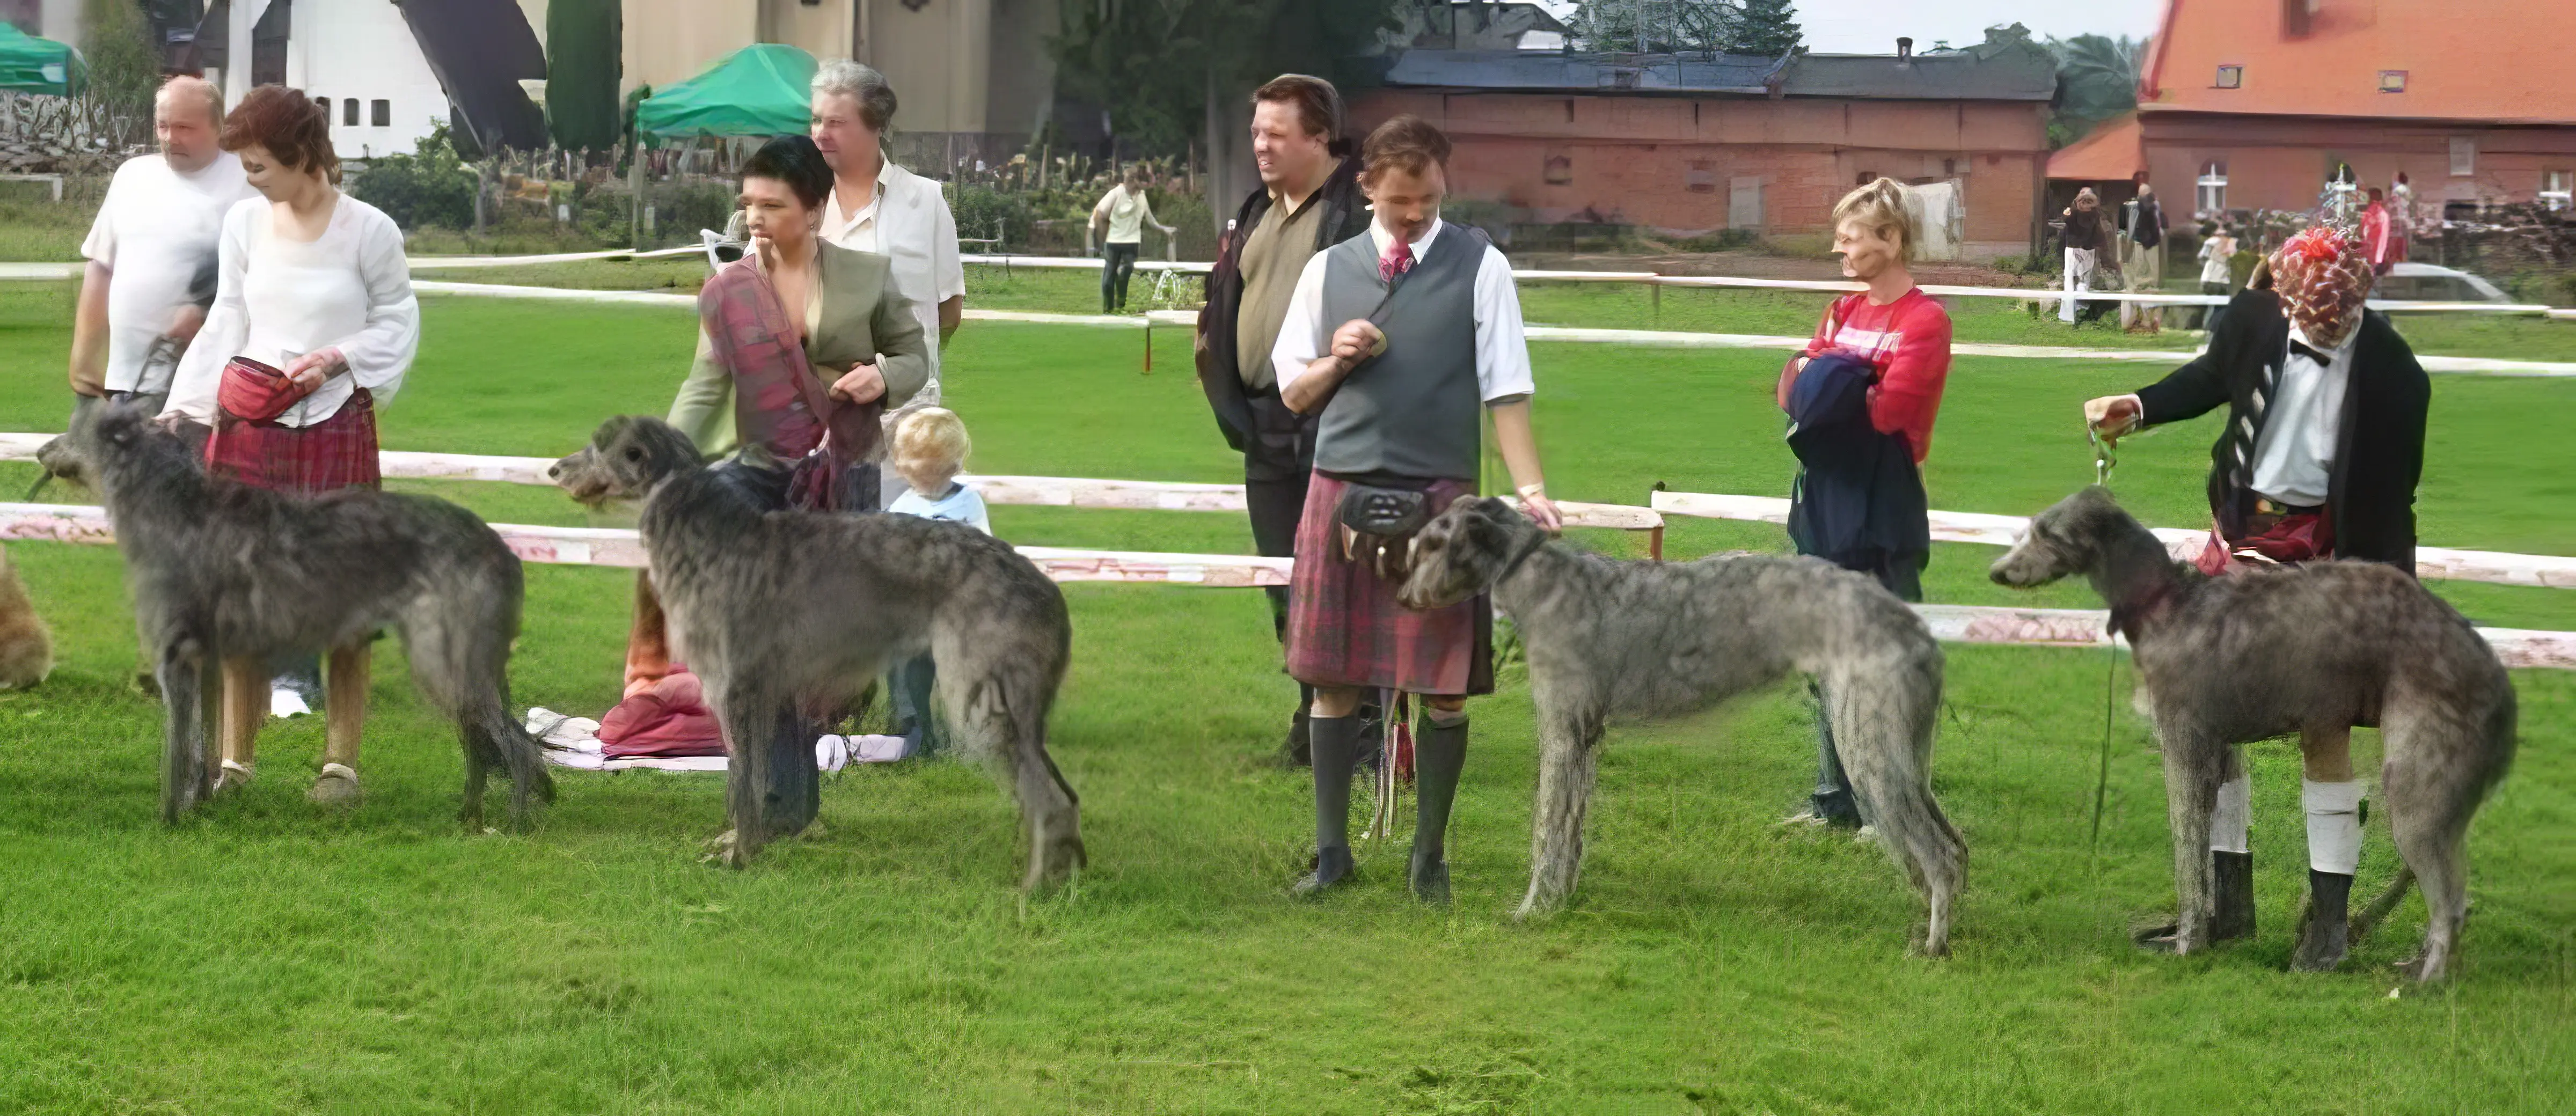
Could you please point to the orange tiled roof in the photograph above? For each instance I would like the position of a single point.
(2111, 152)
(2498, 61)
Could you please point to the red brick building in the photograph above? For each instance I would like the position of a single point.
(1690, 146)
(2251, 104)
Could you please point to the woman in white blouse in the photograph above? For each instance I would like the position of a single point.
(313, 283)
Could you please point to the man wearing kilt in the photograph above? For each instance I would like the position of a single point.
(1394, 338)
(314, 324)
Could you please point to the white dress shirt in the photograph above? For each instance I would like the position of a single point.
(276, 299)
(908, 219)
(155, 232)
(2294, 455)
(1502, 355)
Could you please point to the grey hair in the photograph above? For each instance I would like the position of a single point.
(841, 77)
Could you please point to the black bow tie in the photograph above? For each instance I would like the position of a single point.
(2299, 348)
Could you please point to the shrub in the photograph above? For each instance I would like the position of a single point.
(429, 187)
(984, 212)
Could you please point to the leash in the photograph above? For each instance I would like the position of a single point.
(2105, 455)
(2105, 458)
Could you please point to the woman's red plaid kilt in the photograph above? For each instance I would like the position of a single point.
(1346, 629)
(335, 453)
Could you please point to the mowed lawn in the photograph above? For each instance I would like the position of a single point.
(265, 956)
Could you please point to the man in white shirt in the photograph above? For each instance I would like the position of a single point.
(2319, 459)
(879, 207)
(152, 251)
(1125, 213)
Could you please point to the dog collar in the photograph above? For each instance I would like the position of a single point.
(1514, 563)
(2127, 616)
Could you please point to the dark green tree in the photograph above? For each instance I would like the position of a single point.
(1766, 27)
(582, 71)
(2097, 79)
(124, 69)
(1155, 63)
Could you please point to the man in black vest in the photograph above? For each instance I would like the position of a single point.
(1309, 200)
(2322, 449)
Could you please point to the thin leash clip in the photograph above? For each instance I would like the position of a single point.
(2105, 455)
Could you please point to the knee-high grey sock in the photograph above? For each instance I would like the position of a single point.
(1438, 757)
(1334, 741)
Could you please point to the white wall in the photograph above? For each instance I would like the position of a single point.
(363, 49)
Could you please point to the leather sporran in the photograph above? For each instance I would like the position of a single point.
(1378, 525)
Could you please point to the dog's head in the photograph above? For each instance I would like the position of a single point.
(107, 440)
(2071, 537)
(627, 456)
(1462, 552)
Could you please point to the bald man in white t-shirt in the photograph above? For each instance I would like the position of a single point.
(151, 253)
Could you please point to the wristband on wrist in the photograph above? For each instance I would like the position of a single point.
(1534, 489)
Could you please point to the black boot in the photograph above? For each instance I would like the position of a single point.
(1438, 756)
(1298, 749)
(2232, 879)
(2325, 930)
(1333, 741)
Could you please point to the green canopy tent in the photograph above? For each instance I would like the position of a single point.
(756, 91)
(32, 65)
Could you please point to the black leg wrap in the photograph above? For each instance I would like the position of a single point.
(1334, 741)
(1438, 757)
(2325, 930)
(2234, 873)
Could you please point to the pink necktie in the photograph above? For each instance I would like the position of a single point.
(1397, 261)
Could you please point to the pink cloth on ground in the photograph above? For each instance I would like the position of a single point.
(670, 718)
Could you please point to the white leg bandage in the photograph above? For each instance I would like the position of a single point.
(2334, 825)
(2234, 815)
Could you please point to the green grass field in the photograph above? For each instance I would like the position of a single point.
(266, 957)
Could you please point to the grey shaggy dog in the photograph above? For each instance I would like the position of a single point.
(221, 569)
(1610, 640)
(2237, 659)
(784, 614)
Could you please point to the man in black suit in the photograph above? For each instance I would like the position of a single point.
(2322, 449)
(1309, 200)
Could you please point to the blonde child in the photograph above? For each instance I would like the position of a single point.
(929, 450)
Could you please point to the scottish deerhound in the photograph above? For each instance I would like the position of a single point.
(221, 570)
(1609, 639)
(2323, 647)
(784, 614)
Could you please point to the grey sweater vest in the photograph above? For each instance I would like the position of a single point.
(1411, 411)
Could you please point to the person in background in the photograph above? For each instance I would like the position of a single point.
(2084, 237)
(1309, 200)
(2217, 256)
(930, 449)
(1860, 502)
(152, 252)
(1125, 212)
(876, 206)
(2142, 256)
(2319, 459)
(2401, 213)
(2379, 234)
(312, 282)
(1397, 339)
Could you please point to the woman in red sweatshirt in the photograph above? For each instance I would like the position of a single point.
(1904, 338)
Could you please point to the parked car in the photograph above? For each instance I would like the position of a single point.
(2423, 282)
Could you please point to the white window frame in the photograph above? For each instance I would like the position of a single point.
(2464, 156)
(2212, 196)
(2558, 189)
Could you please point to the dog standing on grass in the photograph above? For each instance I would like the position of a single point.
(786, 613)
(2315, 650)
(1609, 639)
(221, 569)
(26, 648)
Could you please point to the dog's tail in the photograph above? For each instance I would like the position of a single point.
(1883, 712)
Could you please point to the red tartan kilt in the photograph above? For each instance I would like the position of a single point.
(1346, 629)
(338, 452)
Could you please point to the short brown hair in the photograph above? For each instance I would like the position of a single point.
(1408, 142)
(1319, 105)
(291, 126)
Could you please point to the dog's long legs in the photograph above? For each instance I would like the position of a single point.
(1569, 730)
(2433, 786)
(2193, 768)
(1883, 719)
(757, 794)
(1002, 706)
(188, 691)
